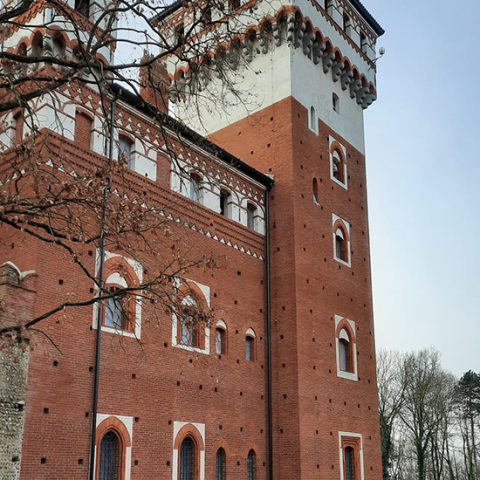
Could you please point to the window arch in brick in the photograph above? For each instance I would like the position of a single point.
(338, 163)
(221, 338)
(121, 313)
(221, 465)
(251, 465)
(346, 348)
(341, 240)
(189, 451)
(191, 329)
(351, 456)
(113, 446)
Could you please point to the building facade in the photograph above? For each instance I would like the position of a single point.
(280, 383)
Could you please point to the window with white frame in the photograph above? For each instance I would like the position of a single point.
(351, 456)
(251, 216)
(341, 240)
(195, 187)
(346, 348)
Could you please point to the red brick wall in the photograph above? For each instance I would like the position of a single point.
(312, 404)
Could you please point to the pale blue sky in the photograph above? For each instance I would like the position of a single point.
(424, 179)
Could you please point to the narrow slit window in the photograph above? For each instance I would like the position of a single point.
(249, 348)
(341, 245)
(220, 341)
(225, 203)
(221, 467)
(194, 192)
(110, 457)
(335, 102)
(251, 216)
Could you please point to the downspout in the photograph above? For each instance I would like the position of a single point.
(268, 335)
(101, 284)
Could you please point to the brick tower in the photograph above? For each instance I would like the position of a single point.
(309, 75)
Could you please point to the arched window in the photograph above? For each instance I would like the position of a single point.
(345, 351)
(189, 323)
(225, 203)
(341, 245)
(221, 339)
(37, 45)
(188, 459)
(349, 463)
(251, 465)
(250, 345)
(125, 150)
(221, 470)
(338, 167)
(116, 316)
(315, 191)
(110, 457)
(251, 215)
(312, 120)
(58, 45)
(83, 7)
(194, 191)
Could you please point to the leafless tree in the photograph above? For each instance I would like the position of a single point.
(52, 198)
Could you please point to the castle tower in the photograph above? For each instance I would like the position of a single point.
(308, 75)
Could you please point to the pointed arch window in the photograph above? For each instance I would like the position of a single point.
(188, 459)
(251, 465)
(221, 466)
(338, 166)
(194, 188)
(341, 245)
(225, 203)
(251, 216)
(345, 352)
(221, 338)
(110, 457)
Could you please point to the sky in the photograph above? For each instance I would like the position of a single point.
(423, 168)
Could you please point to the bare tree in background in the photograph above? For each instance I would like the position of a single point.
(46, 193)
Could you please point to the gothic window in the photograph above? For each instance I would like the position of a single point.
(188, 459)
(349, 463)
(37, 45)
(341, 245)
(250, 346)
(221, 467)
(221, 339)
(189, 328)
(225, 203)
(115, 313)
(83, 7)
(110, 460)
(194, 191)
(58, 45)
(251, 465)
(312, 120)
(251, 214)
(125, 150)
(338, 167)
(345, 352)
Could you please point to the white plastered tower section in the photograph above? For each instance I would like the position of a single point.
(286, 67)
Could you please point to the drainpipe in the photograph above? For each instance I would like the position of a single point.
(101, 283)
(269, 336)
